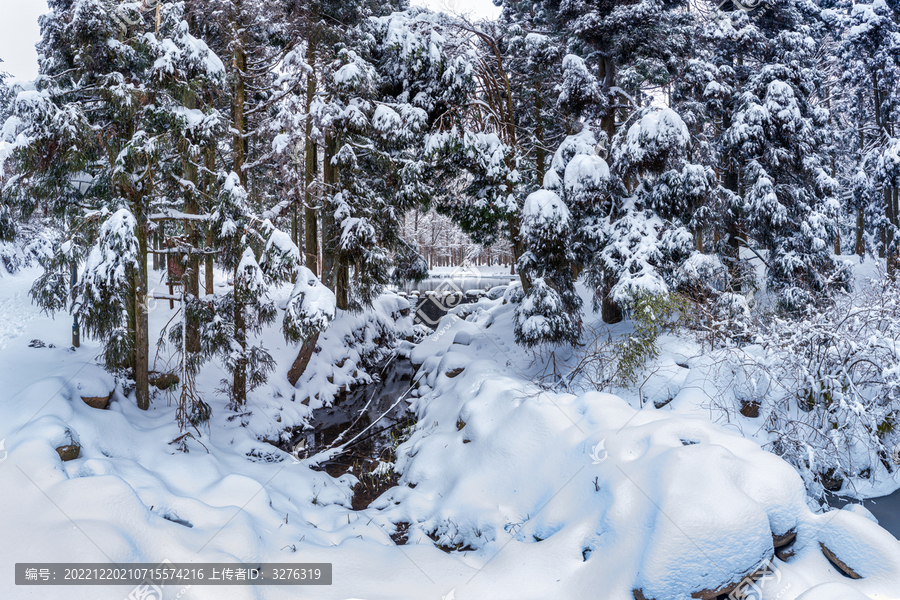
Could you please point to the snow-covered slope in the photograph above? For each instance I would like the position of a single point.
(540, 494)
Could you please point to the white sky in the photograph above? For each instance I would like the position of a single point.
(19, 30)
(475, 8)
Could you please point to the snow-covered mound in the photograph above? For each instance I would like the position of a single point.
(623, 499)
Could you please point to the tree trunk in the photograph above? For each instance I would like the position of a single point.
(156, 246)
(890, 198)
(610, 311)
(732, 251)
(142, 325)
(209, 270)
(734, 255)
(608, 79)
(239, 382)
(860, 246)
(131, 312)
(311, 218)
(191, 280)
(328, 233)
(342, 285)
(312, 171)
(237, 114)
(295, 229)
(303, 357)
(540, 155)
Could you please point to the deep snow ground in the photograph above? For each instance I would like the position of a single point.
(547, 495)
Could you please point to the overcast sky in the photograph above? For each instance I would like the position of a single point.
(19, 29)
(477, 8)
(18, 33)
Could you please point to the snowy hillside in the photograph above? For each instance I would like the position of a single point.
(506, 490)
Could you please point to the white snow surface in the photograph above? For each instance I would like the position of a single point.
(586, 171)
(544, 494)
(544, 210)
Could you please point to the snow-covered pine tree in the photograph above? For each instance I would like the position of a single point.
(643, 239)
(104, 296)
(8, 227)
(550, 312)
(533, 44)
(7, 96)
(633, 45)
(561, 224)
(316, 31)
(479, 147)
(131, 89)
(871, 72)
(230, 321)
(248, 363)
(788, 205)
(380, 100)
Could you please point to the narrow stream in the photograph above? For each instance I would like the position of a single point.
(349, 413)
(886, 509)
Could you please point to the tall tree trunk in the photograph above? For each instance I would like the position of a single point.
(295, 229)
(860, 247)
(342, 285)
(610, 311)
(239, 381)
(237, 114)
(191, 280)
(540, 154)
(131, 312)
(312, 170)
(890, 198)
(328, 232)
(837, 237)
(608, 82)
(310, 214)
(209, 270)
(142, 325)
(156, 246)
(734, 256)
(341, 267)
(518, 248)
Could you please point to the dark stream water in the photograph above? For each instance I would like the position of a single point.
(354, 411)
(886, 509)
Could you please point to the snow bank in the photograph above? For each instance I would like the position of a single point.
(539, 494)
(620, 498)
